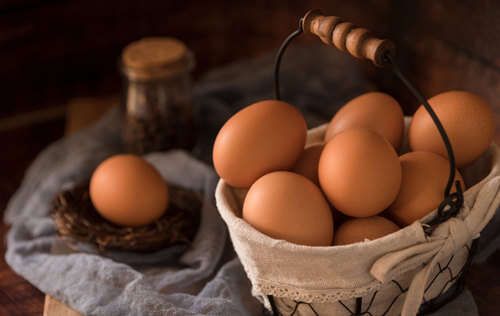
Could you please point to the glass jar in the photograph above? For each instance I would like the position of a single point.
(157, 97)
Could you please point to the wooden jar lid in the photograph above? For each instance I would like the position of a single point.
(155, 57)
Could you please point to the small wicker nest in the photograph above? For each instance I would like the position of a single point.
(75, 217)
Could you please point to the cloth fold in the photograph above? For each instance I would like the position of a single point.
(448, 238)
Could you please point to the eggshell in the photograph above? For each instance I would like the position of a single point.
(467, 119)
(128, 191)
(359, 229)
(360, 173)
(263, 137)
(285, 205)
(425, 175)
(376, 111)
(307, 164)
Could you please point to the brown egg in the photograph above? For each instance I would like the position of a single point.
(128, 191)
(359, 229)
(359, 172)
(263, 137)
(376, 111)
(285, 205)
(467, 119)
(425, 175)
(307, 165)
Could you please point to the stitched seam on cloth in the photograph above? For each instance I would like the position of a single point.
(312, 295)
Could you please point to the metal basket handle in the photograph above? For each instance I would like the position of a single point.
(360, 43)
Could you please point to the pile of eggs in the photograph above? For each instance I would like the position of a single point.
(355, 178)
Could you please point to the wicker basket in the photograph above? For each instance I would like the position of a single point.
(292, 279)
(412, 271)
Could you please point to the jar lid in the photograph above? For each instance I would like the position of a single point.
(155, 57)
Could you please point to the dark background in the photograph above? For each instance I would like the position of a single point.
(53, 51)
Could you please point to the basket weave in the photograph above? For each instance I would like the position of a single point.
(76, 219)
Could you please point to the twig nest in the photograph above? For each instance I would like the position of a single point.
(76, 218)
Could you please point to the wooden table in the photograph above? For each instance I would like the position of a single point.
(17, 296)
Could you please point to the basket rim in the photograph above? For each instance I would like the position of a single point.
(230, 218)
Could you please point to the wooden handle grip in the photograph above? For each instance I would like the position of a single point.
(346, 36)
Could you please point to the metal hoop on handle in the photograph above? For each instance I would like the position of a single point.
(279, 56)
(361, 44)
(381, 52)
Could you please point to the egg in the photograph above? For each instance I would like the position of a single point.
(263, 137)
(307, 164)
(288, 206)
(467, 120)
(360, 173)
(425, 175)
(128, 191)
(360, 229)
(376, 111)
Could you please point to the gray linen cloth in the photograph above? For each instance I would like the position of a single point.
(206, 278)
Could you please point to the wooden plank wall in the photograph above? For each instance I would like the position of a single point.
(53, 50)
(448, 44)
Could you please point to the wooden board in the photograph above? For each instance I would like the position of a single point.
(53, 307)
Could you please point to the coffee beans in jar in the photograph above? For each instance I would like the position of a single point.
(157, 95)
